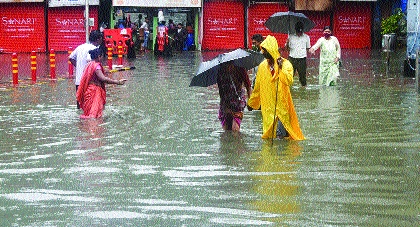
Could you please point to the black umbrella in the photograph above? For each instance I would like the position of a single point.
(207, 71)
(284, 22)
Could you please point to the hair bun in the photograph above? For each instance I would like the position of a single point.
(94, 53)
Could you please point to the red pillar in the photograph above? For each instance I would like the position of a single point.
(33, 66)
(70, 64)
(52, 64)
(15, 68)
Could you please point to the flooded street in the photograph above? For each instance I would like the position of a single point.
(159, 156)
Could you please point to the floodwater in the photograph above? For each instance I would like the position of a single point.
(159, 157)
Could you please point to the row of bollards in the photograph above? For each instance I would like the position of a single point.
(15, 71)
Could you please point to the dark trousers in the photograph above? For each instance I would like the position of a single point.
(299, 64)
(281, 131)
(77, 103)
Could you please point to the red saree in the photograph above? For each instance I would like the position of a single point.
(91, 97)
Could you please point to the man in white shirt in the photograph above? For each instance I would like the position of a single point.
(298, 46)
(80, 56)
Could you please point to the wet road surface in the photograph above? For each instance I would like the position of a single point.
(159, 157)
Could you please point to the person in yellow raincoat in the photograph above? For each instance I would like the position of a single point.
(272, 94)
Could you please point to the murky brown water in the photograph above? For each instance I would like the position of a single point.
(160, 158)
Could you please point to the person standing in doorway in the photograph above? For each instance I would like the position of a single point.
(298, 44)
(162, 47)
(180, 37)
(145, 27)
(80, 56)
(329, 58)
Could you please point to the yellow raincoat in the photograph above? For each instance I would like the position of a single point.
(264, 94)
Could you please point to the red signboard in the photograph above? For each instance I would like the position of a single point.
(223, 25)
(66, 26)
(352, 24)
(258, 14)
(118, 37)
(22, 27)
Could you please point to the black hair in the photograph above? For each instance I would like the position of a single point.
(327, 27)
(95, 53)
(95, 35)
(257, 37)
(299, 26)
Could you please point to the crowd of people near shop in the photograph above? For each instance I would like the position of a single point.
(170, 36)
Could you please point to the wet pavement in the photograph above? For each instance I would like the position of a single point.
(159, 157)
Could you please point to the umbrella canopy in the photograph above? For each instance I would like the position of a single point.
(207, 71)
(284, 22)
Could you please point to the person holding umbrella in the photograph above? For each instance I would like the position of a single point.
(298, 45)
(229, 72)
(329, 58)
(272, 94)
(233, 83)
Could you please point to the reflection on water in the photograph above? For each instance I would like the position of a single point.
(91, 137)
(159, 157)
(329, 110)
(276, 184)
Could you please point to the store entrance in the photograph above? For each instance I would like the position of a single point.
(134, 17)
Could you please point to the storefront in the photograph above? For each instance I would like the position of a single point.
(185, 12)
(258, 13)
(66, 23)
(224, 29)
(22, 26)
(223, 25)
(353, 24)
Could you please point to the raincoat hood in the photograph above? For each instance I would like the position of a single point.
(271, 45)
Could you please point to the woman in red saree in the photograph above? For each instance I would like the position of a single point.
(91, 93)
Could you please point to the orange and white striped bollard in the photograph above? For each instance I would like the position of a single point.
(120, 53)
(52, 64)
(33, 66)
(15, 68)
(109, 53)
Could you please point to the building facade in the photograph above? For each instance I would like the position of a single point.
(40, 25)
